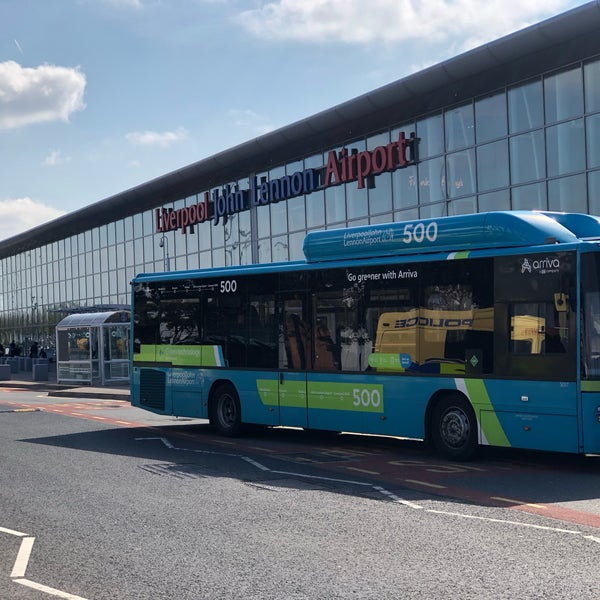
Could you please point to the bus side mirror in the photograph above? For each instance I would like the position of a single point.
(561, 302)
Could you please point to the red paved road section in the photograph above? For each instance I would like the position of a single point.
(523, 486)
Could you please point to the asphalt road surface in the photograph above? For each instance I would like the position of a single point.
(102, 501)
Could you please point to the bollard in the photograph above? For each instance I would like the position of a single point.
(40, 372)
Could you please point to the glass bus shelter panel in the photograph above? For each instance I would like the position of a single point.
(74, 355)
(116, 352)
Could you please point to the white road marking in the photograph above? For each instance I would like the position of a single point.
(48, 590)
(20, 565)
(380, 490)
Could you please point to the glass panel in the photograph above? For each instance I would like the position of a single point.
(461, 173)
(492, 166)
(499, 200)
(459, 127)
(430, 132)
(490, 118)
(594, 192)
(296, 216)
(280, 249)
(593, 141)
(432, 181)
(264, 222)
(565, 149)
(529, 197)
(315, 209)
(296, 240)
(279, 220)
(563, 94)
(568, 194)
(335, 204)
(525, 109)
(380, 196)
(591, 76)
(463, 206)
(433, 210)
(404, 187)
(527, 158)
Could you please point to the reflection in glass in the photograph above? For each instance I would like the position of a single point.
(591, 76)
(490, 118)
(563, 94)
(461, 173)
(525, 110)
(432, 181)
(405, 187)
(430, 132)
(568, 194)
(527, 157)
(593, 141)
(565, 150)
(460, 127)
(492, 166)
(529, 197)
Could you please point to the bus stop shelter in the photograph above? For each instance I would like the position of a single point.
(93, 348)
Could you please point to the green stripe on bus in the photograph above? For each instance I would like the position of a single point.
(590, 386)
(324, 395)
(492, 429)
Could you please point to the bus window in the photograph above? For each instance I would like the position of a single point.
(537, 328)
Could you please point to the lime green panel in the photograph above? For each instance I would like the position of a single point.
(293, 393)
(325, 395)
(147, 353)
(355, 397)
(188, 356)
(383, 361)
(590, 386)
(492, 429)
(268, 391)
(462, 254)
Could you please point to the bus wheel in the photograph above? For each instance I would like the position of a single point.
(454, 428)
(225, 413)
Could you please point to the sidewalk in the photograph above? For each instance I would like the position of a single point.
(24, 380)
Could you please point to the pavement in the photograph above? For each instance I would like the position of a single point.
(24, 380)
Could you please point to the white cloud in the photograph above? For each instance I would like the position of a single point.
(251, 120)
(154, 138)
(21, 214)
(55, 158)
(40, 94)
(351, 21)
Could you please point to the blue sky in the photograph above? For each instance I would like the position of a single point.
(98, 96)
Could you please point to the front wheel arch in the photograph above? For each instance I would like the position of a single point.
(451, 426)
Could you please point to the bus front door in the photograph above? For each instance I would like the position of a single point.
(294, 359)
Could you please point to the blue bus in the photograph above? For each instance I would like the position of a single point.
(463, 331)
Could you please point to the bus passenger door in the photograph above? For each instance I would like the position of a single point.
(294, 359)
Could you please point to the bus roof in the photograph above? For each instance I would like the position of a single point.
(501, 229)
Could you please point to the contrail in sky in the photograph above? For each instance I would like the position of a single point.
(19, 46)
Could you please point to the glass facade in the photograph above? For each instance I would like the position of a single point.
(531, 145)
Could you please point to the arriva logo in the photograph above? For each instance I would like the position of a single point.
(543, 265)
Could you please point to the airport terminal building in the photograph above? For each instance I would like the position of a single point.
(514, 124)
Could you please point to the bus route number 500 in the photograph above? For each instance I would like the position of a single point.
(228, 286)
(419, 232)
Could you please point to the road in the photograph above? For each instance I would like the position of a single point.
(99, 500)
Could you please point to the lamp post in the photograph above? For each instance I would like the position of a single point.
(164, 244)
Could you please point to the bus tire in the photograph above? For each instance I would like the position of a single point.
(225, 411)
(454, 428)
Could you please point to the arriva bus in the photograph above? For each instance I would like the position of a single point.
(470, 330)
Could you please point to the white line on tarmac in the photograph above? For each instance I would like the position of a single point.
(382, 491)
(48, 590)
(20, 565)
